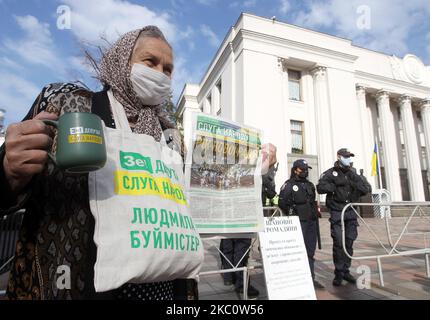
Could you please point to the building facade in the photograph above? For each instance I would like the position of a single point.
(312, 93)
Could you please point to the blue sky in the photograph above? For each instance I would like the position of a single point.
(35, 52)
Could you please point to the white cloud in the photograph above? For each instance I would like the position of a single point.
(112, 18)
(186, 36)
(181, 75)
(249, 3)
(79, 67)
(177, 3)
(89, 20)
(427, 59)
(233, 4)
(186, 72)
(391, 22)
(318, 15)
(79, 63)
(17, 95)
(284, 6)
(210, 35)
(36, 45)
(10, 64)
(245, 4)
(206, 2)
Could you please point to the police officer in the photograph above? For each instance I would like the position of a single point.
(342, 185)
(297, 197)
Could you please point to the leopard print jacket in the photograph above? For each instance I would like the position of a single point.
(58, 226)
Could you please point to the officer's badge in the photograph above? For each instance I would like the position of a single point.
(335, 173)
(295, 188)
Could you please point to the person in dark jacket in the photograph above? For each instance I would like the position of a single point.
(297, 197)
(58, 226)
(268, 190)
(342, 185)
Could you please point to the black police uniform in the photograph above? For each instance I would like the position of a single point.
(342, 186)
(297, 197)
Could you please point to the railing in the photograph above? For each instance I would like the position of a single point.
(245, 269)
(381, 196)
(9, 228)
(276, 211)
(392, 251)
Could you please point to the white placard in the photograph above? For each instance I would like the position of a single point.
(286, 266)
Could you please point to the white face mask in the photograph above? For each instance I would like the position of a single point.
(345, 161)
(151, 87)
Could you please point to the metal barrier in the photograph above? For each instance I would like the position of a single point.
(381, 196)
(276, 211)
(236, 268)
(393, 250)
(9, 228)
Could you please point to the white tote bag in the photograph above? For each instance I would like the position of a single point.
(143, 230)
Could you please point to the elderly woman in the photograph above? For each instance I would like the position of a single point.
(58, 226)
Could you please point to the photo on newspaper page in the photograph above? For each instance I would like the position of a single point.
(223, 176)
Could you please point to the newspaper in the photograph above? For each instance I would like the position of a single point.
(223, 176)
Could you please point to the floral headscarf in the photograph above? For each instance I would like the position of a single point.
(115, 69)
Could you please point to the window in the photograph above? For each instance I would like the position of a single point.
(297, 137)
(294, 84)
(219, 92)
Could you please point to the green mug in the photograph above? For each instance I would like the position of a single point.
(80, 142)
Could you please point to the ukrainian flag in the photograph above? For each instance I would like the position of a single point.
(375, 166)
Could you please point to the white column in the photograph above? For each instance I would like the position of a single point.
(415, 178)
(283, 144)
(326, 156)
(285, 98)
(233, 80)
(206, 106)
(388, 137)
(190, 106)
(311, 131)
(413, 165)
(187, 125)
(425, 116)
(366, 134)
(216, 100)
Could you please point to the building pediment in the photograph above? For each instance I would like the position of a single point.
(410, 69)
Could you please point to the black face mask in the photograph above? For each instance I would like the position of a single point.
(304, 174)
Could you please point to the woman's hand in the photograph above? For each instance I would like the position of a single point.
(27, 144)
